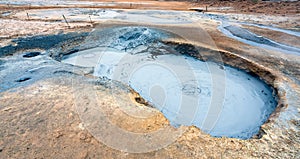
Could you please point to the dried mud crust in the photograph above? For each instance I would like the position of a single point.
(256, 6)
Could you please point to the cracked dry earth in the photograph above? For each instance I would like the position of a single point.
(41, 98)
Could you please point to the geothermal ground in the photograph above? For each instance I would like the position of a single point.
(149, 79)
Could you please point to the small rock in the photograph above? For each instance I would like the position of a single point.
(31, 54)
(57, 134)
(82, 136)
(80, 126)
(23, 79)
(7, 109)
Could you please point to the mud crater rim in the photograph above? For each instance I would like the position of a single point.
(141, 100)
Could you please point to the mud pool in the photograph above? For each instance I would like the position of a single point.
(220, 100)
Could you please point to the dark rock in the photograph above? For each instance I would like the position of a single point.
(31, 54)
(23, 79)
(186, 49)
(259, 135)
